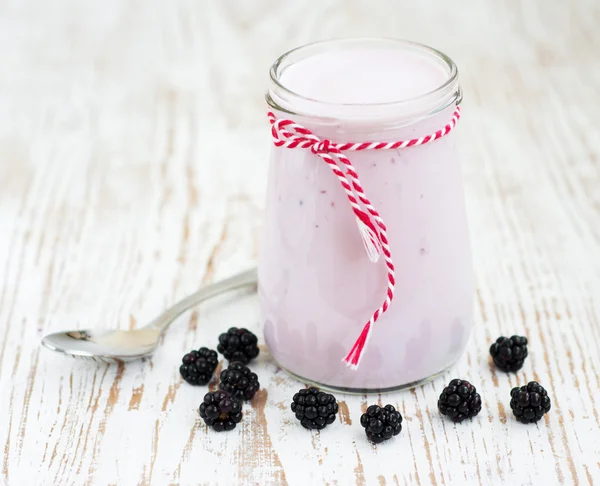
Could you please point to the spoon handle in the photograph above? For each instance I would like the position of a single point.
(244, 279)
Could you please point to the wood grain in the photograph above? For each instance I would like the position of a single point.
(117, 198)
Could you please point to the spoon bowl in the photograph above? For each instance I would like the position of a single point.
(104, 345)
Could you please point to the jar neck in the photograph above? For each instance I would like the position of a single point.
(395, 113)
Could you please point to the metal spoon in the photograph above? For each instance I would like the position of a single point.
(119, 346)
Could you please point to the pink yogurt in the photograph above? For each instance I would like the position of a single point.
(317, 286)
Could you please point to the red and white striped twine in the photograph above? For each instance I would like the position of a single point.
(288, 134)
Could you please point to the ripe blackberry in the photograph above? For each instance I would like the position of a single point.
(238, 345)
(220, 411)
(459, 400)
(529, 403)
(239, 381)
(509, 353)
(381, 423)
(315, 409)
(198, 366)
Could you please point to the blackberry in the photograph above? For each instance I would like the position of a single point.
(238, 345)
(381, 423)
(239, 381)
(198, 366)
(509, 353)
(529, 403)
(459, 400)
(315, 409)
(220, 411)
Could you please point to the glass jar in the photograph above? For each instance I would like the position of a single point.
(317, 287)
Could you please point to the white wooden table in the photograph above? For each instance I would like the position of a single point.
(117, 199)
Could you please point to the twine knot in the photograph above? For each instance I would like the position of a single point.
(321, 147)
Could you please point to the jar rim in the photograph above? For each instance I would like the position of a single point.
(282, 98)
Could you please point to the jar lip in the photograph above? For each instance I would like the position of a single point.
(282, 97)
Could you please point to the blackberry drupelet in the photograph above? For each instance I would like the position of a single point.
(315, 409)
(238, 345)
(529, 403)
(509, 353)
(220, 411)
(198, 366)
(459, 400)
(381, 423)
(239, 381)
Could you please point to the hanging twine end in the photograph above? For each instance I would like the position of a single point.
(370, 240)
(353, 358)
